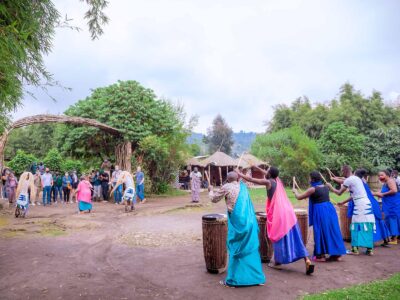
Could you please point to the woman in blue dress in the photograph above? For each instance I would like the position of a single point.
(390, 204)
(323, 218)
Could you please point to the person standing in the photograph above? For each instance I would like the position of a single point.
(47, 183)
(139, 177)
(83, 195)
(244, 266)
(11, 186)
(66, 186)
(37, 179)
(195, 179)
(395, 175)
(363, 219)
(4, 176)
(282, 227)
(390, 204)
(106, 167)
(117, 189)
(324, 220)
(41, 168)
(96, 187)
(105, 180)
(58, 187)
(75, 183)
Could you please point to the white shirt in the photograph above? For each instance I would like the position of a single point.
(356, 187)
(198, 174)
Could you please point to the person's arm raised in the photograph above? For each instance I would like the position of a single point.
(337, 192)
(263, 181)
(304, 195)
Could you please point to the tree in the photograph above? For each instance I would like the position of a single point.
(53, 160)
(342, 144)
(26, 33)
(155, 127)
(382, 146)
(22, 162)
(291, 150)
(219, 136)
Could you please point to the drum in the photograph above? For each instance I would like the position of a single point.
(266, 250)
(302, 220)
(344, 223)
(215, 230)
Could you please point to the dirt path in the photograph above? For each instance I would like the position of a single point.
(154, 253)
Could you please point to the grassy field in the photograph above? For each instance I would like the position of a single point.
(258, 195)
(382, 289)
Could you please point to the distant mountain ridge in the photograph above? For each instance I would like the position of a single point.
(242, 142)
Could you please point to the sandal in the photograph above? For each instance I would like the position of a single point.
(318, 259)
(223, 283)
(309, 267)
(275, 266)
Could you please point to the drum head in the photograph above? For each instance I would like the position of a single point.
(213, 217)
(300, 211)
(261, 214)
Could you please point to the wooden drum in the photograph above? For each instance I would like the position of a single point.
(344, 223)
(266, 250)
(215, 231)
(302, 220)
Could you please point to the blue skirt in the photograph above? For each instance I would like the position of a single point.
(393, 224)
(327, 236)
(84, 206)
(382, 231)
(290, 248)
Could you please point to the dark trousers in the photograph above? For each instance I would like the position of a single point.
(66, 192)
(104, 191)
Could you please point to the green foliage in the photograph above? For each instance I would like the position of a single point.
(36, 139)
(22, 162)
(219, 136)
(194, 149)
(69, 165)
(382, 289)
(53, 160)
(291, 150)
(383, 148)
(27, 30)
(341, 145)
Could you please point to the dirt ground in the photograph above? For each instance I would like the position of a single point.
(153, 253)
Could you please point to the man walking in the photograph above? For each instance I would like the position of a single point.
(140, 185)
(118, 189)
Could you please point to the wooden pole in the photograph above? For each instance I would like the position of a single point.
(209, 170)
(208, 178)
(323, 178)
(220, 176)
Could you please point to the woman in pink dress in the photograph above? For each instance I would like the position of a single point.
(83, 195)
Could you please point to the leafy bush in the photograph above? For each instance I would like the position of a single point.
(72, 164)
(291, 150)
(22, 162)
(53, 160)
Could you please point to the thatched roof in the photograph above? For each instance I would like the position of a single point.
(196, 161)
(249, 160)
(219, 159)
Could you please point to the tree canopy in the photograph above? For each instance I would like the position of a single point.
(219, 136)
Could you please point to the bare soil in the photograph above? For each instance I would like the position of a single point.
(153, 253)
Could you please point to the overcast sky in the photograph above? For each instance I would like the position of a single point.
(237, 58)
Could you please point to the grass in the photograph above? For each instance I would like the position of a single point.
(382, 289)
(258, 195)
(170, 193)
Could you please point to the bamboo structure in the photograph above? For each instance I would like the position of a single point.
(123, 152)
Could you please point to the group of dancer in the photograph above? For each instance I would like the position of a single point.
(367, 225)
(84, 190)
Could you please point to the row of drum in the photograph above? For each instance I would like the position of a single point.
(215, 233)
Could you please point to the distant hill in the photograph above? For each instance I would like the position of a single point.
(243, 141)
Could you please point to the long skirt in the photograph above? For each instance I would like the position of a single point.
(362, 234)
(393, 224)
(290, 248)
(84, 206)
(327, 236)
(382, 231)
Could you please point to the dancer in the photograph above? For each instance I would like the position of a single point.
(390, 204)
(195, 178)
(129, 194)
(244, 267)
(363, 220)
(26, 182)
(282, 227)
(84, 195)
(323, 219)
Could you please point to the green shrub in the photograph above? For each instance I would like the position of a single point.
(69, 165)
(53, 160)
(21, 162)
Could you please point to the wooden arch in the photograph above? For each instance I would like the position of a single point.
(123, 152)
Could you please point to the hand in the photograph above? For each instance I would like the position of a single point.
(378, 194)
(210, 188)
(340, 203)
(329, 185)
(237, 170)
(294, 190)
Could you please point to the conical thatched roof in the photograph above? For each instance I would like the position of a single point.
(219, 159)
(196, 161)
(248, 160)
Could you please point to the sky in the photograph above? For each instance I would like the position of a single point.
(234, 58)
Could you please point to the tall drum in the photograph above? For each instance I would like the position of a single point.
(302, 220)
(215, 231)
(266, 250)
(344, 223)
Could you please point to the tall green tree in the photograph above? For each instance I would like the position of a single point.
(219, 136)
(291, 150)
(26, 34)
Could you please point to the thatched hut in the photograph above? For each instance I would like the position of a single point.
(217, 166)
(249, 160)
